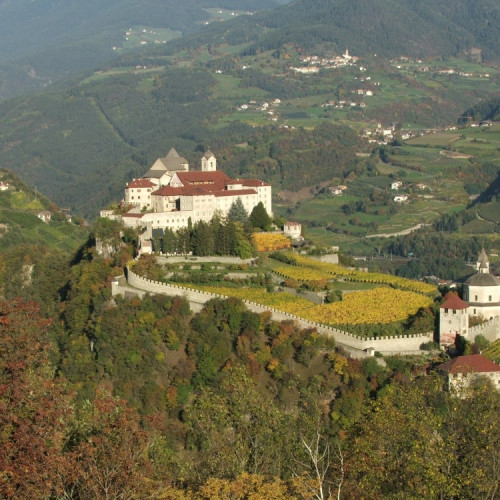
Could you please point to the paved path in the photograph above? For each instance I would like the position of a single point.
(399, 233)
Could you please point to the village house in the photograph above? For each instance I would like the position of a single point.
(401, 198)
(464, 370)
(44, 216)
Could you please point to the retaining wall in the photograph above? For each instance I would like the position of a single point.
(192, 259)
(406, 344)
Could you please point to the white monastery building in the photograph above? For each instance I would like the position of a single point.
(168, 195)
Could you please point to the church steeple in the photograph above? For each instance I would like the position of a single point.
(483, 264)
(208, 162)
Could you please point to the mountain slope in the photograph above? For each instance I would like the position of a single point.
(391, 28)
(41, 41)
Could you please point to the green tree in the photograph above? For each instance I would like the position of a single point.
(237, 212)
(238, 429)
(259, 217)
(203, 239)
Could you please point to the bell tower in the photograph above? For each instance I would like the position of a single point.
(208, 162)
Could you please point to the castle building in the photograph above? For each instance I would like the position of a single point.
(169, 195)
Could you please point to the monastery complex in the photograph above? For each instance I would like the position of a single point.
(169, 195)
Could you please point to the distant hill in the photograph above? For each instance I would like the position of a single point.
(485, 110)
(43, 41)
(82, 139)
(420, 28)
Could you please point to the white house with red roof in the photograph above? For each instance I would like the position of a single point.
(463, 370)
(138, 192)
(169, 195)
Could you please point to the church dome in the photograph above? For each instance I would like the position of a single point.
(482, 279)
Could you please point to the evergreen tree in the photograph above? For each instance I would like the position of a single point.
(183, 240)
(259, 217)
(169, 241)
(203, 239)
(237, 212)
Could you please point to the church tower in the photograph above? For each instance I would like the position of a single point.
(208, 162)
(483, 264)
(453, 319)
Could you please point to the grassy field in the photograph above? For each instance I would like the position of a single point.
(478, 227)
(138, 36)
(57, 235)
(491, 212)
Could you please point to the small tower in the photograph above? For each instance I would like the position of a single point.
(208, 162)
(453, 319)
(483, 264)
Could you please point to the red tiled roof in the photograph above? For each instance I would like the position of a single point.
(140, 183)
(167, 191)
(253, 182)
(133, 214)
(201, 190)
(217, 179)
(453, 301)
(474, 363)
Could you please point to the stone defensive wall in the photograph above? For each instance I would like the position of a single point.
(490, 330)
(357, 346)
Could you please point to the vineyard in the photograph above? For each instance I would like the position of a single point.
(303, 274)
(304, 268)
(380, 305)
(270, 242)
(493, 351)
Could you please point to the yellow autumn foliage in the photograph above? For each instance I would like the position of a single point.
(270, 242)
(379, 305)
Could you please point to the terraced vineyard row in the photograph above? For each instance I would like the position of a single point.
(380, 305)
(318, 270)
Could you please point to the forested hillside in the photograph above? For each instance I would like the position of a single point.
(35, 256)
(420, 28)
(43, 41)
(104, 395)
(83, 139)
(489, 109)
(89, 141)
